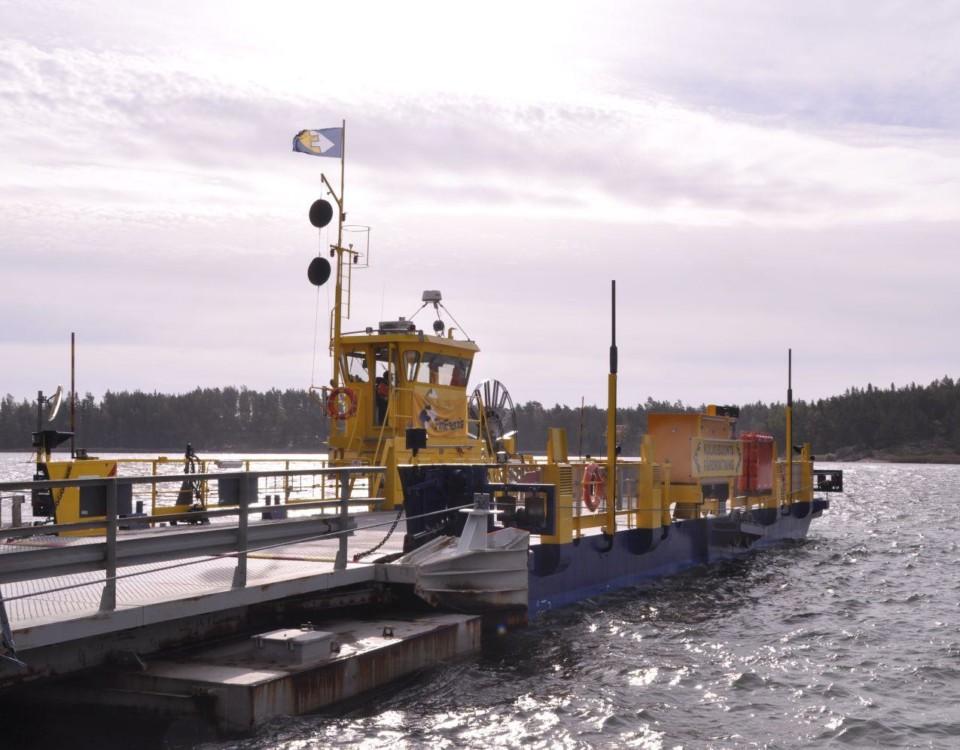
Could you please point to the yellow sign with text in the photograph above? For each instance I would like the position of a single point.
(714, 458)
(440, 413)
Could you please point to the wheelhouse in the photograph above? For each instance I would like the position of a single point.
(396, 378)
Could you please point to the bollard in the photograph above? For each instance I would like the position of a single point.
(273, 510)
(266, 515)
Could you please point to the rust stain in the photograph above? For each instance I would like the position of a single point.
(330, 684)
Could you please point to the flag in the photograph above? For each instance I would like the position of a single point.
(325, 142)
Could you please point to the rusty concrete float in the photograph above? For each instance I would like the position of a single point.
(288, 672)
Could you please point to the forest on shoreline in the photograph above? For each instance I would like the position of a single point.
(907, 423)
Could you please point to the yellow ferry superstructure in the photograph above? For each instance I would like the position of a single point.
(397, 378)
(398, 392)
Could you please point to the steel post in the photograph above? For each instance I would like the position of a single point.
(240, 573)
(108, 600)
(8, 651)
(17, 508)
(341, 561)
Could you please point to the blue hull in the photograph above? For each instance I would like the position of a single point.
(561, 574)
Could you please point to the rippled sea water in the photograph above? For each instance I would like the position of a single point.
(848, 639)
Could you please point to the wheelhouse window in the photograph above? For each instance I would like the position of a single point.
(440, 369)
(411, 359)
(354, 366)
(382, 357)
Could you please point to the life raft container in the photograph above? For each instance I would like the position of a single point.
(594, 486)
(342, 403)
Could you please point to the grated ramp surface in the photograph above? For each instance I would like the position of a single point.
(178, 580)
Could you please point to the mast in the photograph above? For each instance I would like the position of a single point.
(611, 525)
(580, 432)
(338, 249)
(73, 395)
(343, 161)
(327, 142)
(789, 426)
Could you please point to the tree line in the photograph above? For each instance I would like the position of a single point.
(211, 419)
(914, 420)
(921, 422)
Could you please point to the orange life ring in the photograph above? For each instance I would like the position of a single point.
(594, 486)
(342, 403)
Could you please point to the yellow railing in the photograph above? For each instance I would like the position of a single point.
(166, 499)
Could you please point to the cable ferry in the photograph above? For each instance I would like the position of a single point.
(558, 528)
(487, 531)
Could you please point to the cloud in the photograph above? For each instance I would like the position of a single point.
(755, 176)
(819, 63)
(105, 121)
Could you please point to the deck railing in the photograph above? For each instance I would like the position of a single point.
(210, 541)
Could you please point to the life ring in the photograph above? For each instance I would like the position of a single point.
(594, 486)
(342, 403)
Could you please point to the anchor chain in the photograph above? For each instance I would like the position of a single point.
(393, 527)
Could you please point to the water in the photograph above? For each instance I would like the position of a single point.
(849, 639)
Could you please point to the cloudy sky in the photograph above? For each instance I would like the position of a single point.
(755, 175)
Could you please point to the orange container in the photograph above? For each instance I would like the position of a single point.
(757, 472)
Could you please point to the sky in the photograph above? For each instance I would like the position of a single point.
(754, 175)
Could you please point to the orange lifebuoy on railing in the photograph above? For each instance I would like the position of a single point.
(594, 486)
(342, 403)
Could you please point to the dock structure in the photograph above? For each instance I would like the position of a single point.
(255, 609)
(290, 595)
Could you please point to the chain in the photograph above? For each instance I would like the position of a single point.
(393, 527)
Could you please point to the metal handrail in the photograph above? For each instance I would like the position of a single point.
(20, 532)
(174, 545)
(208, 558)
(41, 484)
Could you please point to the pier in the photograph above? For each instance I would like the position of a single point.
(238, 613)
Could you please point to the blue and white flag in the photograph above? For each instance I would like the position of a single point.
(325, 142)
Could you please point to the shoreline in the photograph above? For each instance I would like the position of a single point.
(864, 456)
(945, 459)
(178, 452)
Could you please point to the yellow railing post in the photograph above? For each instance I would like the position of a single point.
(806, 481)
(665, 518)
(648, 508)
(153, 487)
(203, 484)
